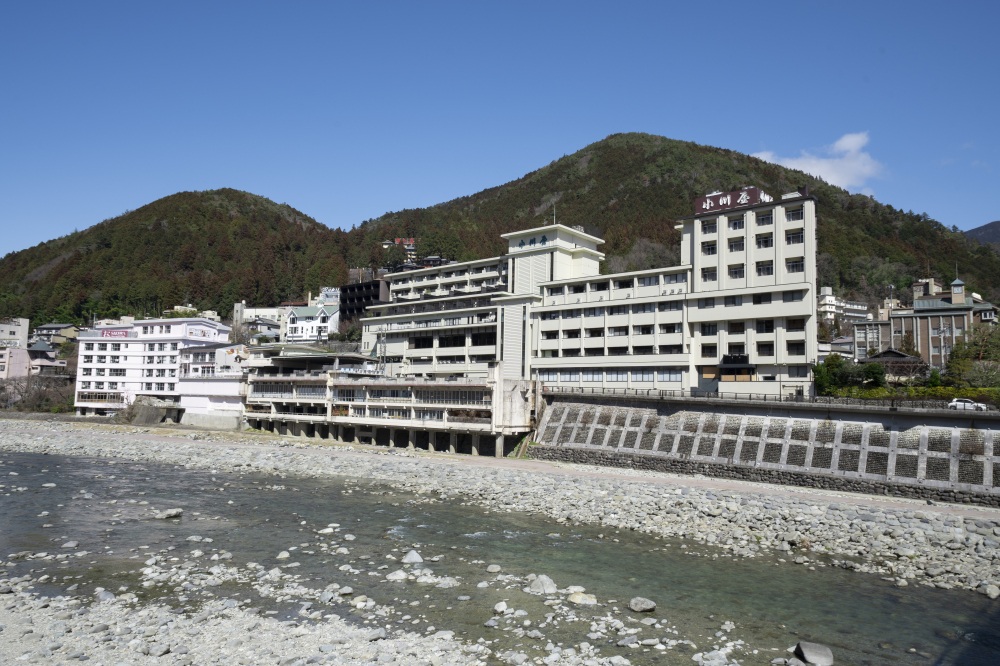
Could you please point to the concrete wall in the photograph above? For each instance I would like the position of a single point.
(912, 454)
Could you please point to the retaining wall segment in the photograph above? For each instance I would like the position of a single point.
(925, 461)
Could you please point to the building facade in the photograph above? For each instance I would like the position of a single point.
(831, 308)
(118, 363)
(937, 320)
(211, 384)
(14, 332)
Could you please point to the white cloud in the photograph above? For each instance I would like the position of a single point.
(845, 163)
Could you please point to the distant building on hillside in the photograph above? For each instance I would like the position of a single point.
(832, 308)
(355, 297)
(937, 320)
(409, 245)
(55, 333)
(191, 311)
(14, 332)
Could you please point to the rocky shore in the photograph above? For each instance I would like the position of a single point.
(911, 544)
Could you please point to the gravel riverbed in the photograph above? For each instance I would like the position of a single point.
(907, 542)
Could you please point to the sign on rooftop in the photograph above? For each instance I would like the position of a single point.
(720, 201)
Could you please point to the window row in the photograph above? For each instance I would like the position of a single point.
(763, 241)
(763, 268)
(764, 349)
(792, 296)
(619, 283)
(613, 375)
(613, 310)
(103, 346)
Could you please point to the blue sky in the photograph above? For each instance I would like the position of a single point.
(349, 110)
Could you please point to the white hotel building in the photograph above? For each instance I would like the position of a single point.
(118, 363)
(738, 315)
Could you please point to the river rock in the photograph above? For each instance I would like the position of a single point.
(641, 605)
(582, 599)
(814, 654)
(398, 574)
(412, 557)
(542, 585)
(169, 513)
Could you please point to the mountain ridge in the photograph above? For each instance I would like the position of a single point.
(217, 247)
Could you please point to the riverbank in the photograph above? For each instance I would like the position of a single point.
(945, 546)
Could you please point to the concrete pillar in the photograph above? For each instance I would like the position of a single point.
(411, 442)
(475, 445)
(431, 437)
(499, 447)
(452, 439)
(392, 438)
(357, 435)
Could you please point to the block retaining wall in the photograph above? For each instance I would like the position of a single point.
(949, 464)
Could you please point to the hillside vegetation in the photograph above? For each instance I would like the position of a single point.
(214, 248)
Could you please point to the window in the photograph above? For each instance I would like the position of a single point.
(796, 265)
(102, 359)
(736, 223)
(102, 346)
(793, 215)
(570, 314)
(572, 334)
(148, 372)
(736, 272)
(643, 307)
(675, 278)
(765, 326)
(85, 385)
(623, 284)
(577, 288)
(709, 274)
(642, 375)
(796, 325)
(99, 372)
(801, 371)
(617, 331)
(795, 237)
(593, 312)
(671, 349)
(737, 328)
(550, 335)
(733, 301)
(765, 349)
(642, 330)
(669, 374)
(116, 346)
(595, 332)
(160, 372)
(115, 359)
(161, 386)
(669, 306)
(87, 371)
(765, 219)
(649, 281)
(88, 359)
(593, 351)
(765, 268)
(173, 346)
(709, 351)
(162, 346)
(616, 375)
(617, 351)
(618, 310)
(793, 296)
(548, 376)
(706, 303)
(569, 375)
(709, 328)
(599, 286)
(89, 346)
(113, 385)
(556, 291)
(549, 316)
(796, 349)
(736, 245)
(709, 248)
(708, 227)
(670, 328)
(761, 299)
(593, 375)
(765, 241)
(737, 348)
(117, 372)
(146, 330)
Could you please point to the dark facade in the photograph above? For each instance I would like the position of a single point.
(354, 298)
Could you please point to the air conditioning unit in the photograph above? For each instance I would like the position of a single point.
(664, 292)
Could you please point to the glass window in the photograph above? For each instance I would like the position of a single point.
(649, 281)
(765, 240)
(593, 375)
(709, 328)
(793, 296)
(708, 227)
(765, 219)
(706, 303)
(796, 265)
(669, 374)
(733, 301)
(765, 326)
(709, 351)
(765, 349)
(793, 215)
(736, 272)
(761, 299)
(642, 375)
(709, 274)
(709, 248)
(737, 328)
(765, 268)
(795, 237)
(736, 223)
(736, 245)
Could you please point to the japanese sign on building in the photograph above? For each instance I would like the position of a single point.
(114, 333)
(720, 201)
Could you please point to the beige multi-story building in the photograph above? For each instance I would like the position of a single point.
(935, 323)
(738, 315)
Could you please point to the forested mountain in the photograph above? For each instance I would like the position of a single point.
(214, 248)
(988, 233)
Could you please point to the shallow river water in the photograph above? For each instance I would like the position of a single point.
(107, 506)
